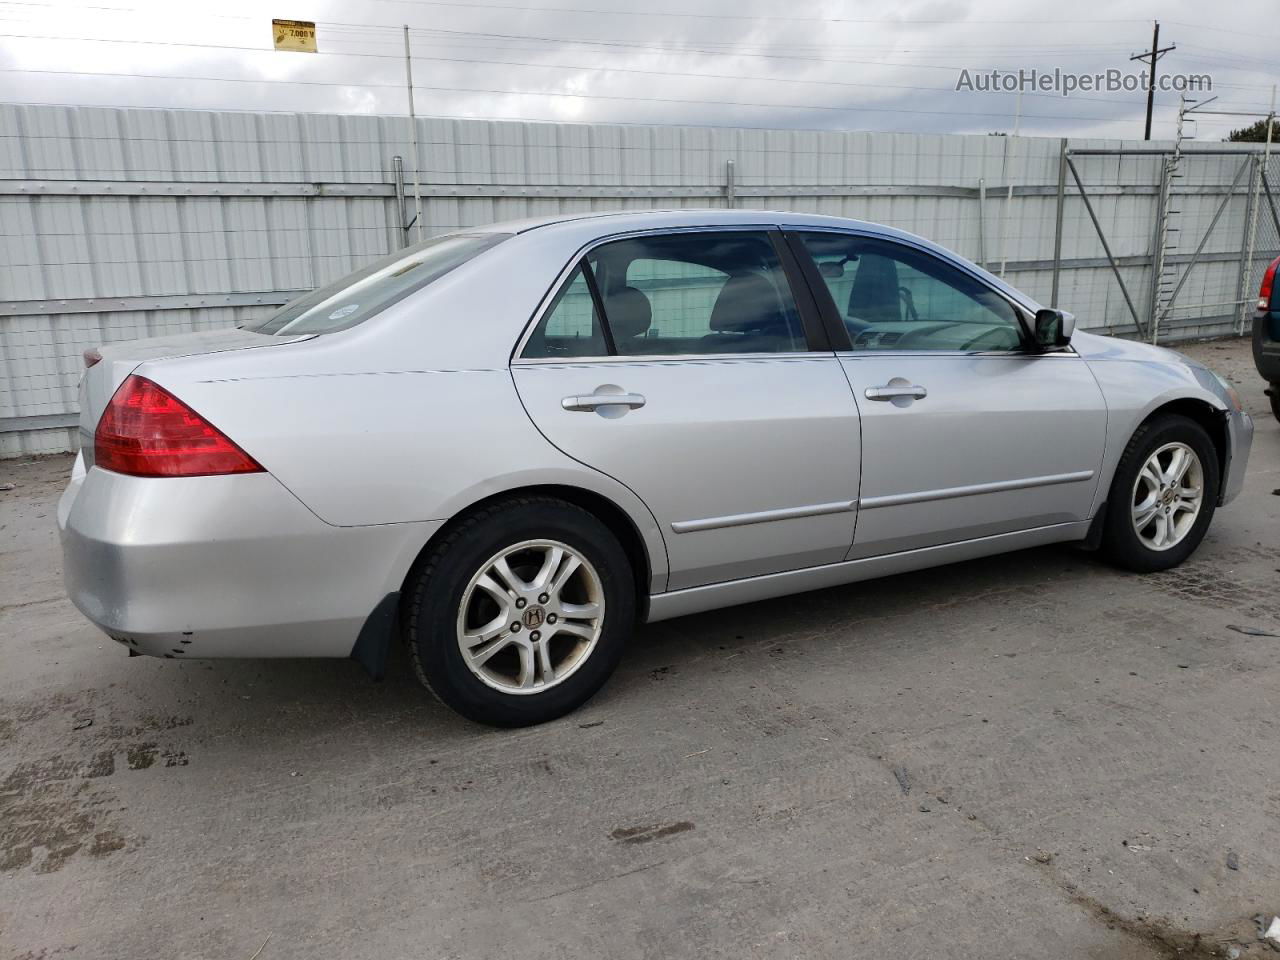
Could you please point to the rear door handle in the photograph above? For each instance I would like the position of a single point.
(894, 391)
(591, 401)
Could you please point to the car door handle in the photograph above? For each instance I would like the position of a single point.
(591, 401)
(893, 391)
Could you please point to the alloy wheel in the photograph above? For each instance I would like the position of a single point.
(530, 617)
(1167, 496)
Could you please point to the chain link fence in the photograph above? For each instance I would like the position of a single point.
(1185, 232)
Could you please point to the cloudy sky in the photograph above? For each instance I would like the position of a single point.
(760, 63)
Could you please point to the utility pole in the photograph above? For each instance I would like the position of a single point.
(413, 135)
(1154, 54)
(1010, 144)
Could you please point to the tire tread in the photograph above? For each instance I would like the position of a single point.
(426, 571)
(1120, 544)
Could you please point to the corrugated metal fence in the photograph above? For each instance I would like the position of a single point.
(116, 223)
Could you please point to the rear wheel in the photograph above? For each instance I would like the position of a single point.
(1163, 495)
(521, 613)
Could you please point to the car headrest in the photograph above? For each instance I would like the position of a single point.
(630, 313)
(874, 295)
(748, 304)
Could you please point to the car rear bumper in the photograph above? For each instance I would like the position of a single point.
(230, 566)
(1266, 345)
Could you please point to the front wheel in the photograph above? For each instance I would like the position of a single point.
(1163, 495)
(521, 613)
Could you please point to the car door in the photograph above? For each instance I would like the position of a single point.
(966, 433)
(686, 366)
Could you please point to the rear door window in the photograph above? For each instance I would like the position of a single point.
(571, 328)
(697, 293)
(682, 294)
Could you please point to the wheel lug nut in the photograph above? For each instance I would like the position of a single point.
(521, 603)
(535, 636)
(543, 598)
(515, 628)
(552, 618)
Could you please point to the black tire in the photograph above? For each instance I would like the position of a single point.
(1120, 541)
(435, 592)
(1275, 400)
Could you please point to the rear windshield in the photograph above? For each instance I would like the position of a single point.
(358, 296)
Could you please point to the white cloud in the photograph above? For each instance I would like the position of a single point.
(720, 61)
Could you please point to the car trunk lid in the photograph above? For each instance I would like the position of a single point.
(108, 366)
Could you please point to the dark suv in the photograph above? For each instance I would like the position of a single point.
(1266, 335)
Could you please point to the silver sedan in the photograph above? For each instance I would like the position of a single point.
(510, 445)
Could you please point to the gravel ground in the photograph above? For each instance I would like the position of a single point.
(1026, 756)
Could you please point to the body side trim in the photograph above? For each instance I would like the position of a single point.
(974, 489)
(678, 603)
(763, 516)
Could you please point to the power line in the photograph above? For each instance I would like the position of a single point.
(523, 37)
(545, 65)
(1252, 34)
(804, 58)
(373, 33)
(563, 94)
(1082, 21)
(650, 14)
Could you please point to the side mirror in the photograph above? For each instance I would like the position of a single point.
(1053, 328)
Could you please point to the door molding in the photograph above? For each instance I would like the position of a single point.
(974, 489)
(679, 603)
(763, 516)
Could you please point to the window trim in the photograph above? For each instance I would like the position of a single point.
(839, 333)
(816, 339)
(597, 304)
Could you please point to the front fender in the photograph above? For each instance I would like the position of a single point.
(1135, 389)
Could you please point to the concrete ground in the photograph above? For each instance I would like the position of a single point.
(1027, 756)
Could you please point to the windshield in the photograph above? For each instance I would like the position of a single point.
(358, 296)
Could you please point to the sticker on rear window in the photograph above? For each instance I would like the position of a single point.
(346, 311)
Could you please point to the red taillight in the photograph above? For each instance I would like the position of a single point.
(1268, 283)
(148, 432)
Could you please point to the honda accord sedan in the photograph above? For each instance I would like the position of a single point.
(510, 445)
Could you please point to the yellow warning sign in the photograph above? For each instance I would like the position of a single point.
(297, 35)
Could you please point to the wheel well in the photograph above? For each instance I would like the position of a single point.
(1213, 420)
(601, 507)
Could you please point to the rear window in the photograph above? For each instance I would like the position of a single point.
(358, 296)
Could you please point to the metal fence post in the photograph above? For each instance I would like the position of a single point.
(1246, 251)
(1057, 226)
(397, 168)
(982, 214)
(730, 186)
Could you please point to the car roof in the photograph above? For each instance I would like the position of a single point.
(578, 229)
(611, 221)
